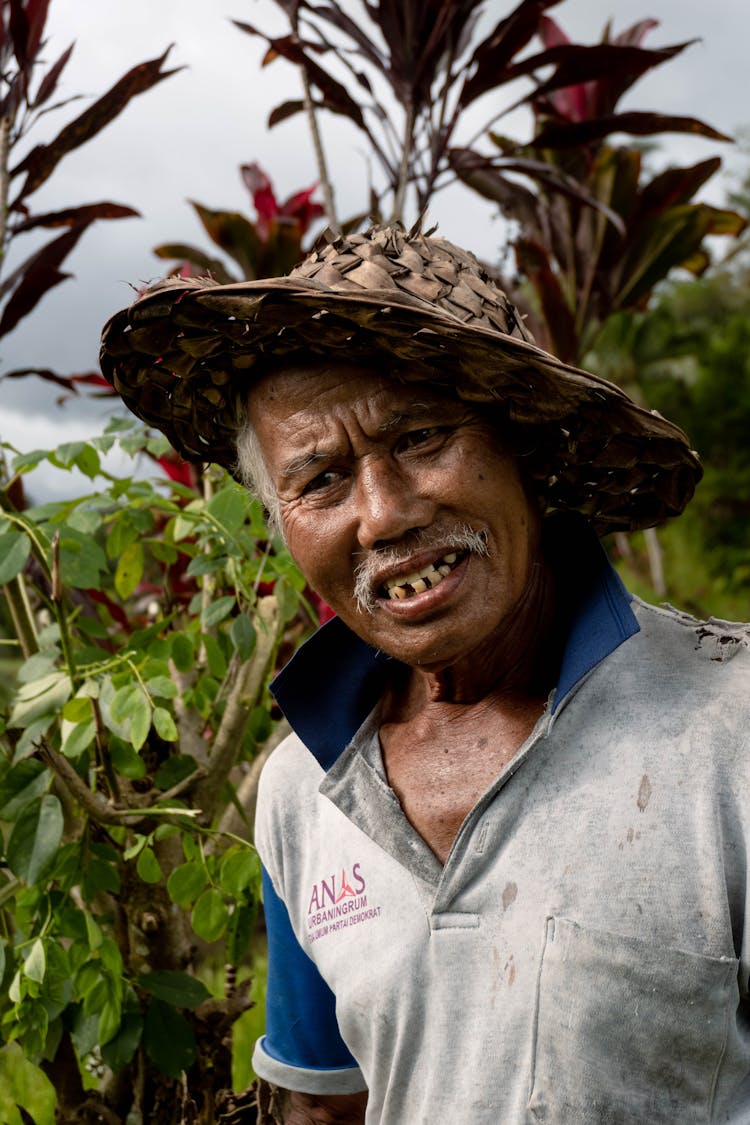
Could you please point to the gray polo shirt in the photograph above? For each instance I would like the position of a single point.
(582, 956)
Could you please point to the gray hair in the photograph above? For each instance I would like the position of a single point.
(252, 471)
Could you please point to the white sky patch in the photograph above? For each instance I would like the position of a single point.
(28, 432)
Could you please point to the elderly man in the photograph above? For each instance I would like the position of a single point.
(505, 849)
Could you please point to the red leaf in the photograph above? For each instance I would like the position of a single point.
(300, 207)
(634, 36)
(50, 255)
(264, 199)
(43, 159)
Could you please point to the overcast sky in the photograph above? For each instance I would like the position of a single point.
(187, 137)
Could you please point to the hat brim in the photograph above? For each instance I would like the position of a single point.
(184, 355)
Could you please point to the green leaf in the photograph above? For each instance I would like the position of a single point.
(125, 760)
(217, 611)
(77, 737)
(229, 507)
(22, 783)
(148, 867)
(140, 723)
(118, 1052)
(129, 571)
(178, 989)
(287, 598)
(164, 724)
(82, 561)
(15, 548)
(77, 710)
(35, 963)
(40, 698)
(35, 839)
(243, 636)
(210, 915)
(161, 686)
(57, 987)
(99, 876)
(183, 653)
(215, 658)
(168, 1039)
(110, 1015)
(240, 868)
(240, 932)
(175, 769)
(187, 882)
(23, 1084)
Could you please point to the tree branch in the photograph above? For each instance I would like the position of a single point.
(242, 698)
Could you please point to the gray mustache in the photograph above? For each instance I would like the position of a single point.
(458, 538)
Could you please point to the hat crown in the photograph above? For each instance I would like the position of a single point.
(433, 272)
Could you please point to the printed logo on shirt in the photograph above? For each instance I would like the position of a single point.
(339, 902)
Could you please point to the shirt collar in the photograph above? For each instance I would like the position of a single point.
(335, 679)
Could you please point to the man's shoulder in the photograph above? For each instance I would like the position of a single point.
(291, 769)
(712, 639)
(699, 659)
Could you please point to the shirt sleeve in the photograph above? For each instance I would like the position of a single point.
(302, 1049)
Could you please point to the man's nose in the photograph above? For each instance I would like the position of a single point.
(390, 504)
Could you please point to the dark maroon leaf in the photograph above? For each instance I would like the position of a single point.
(558, 317)
(36, 282)
(576, 63)
(43, 159)
(50, 257)
(554, 179)
(492, 57)
(289, 47)
(638, 123)
(285, 110)
(73, 216)
(19, 31)
(66, 381)
(676, 186)
(48, 85)
(514, 199)
(36, 11)
(334, 15)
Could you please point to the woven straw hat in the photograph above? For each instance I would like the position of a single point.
(183, 356)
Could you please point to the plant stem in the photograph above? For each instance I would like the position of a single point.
(5, 126)
(242, 698)
(320, 157)
(399, 198)
(17, 598)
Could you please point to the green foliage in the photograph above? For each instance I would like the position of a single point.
(151, 623)
(689, 358)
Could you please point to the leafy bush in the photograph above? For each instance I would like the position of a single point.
(148, 618)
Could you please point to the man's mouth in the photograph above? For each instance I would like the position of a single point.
(417, 581)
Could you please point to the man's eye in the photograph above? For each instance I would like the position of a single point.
(421, 437)
(323, 480)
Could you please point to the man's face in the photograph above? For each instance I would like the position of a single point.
(406, 487)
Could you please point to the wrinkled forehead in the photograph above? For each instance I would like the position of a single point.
(320, 384)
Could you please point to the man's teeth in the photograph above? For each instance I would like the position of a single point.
(420, 580)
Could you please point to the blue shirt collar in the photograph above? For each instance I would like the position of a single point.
(335, 679)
